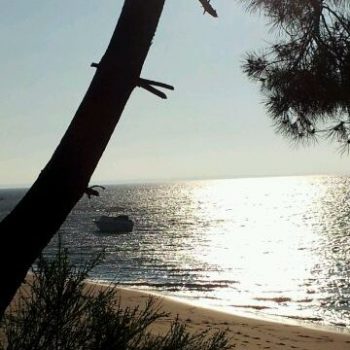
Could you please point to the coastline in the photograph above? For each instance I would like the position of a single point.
(240, 312)
(243, 332)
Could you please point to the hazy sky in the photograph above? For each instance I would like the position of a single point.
(212, 125)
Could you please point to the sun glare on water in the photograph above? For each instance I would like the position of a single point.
(263, 234)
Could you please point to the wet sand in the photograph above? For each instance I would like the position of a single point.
(244, 333)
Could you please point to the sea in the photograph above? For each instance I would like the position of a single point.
(272, 247)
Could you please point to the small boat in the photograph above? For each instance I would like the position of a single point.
(120, 223)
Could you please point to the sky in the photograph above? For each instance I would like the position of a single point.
(212, 126)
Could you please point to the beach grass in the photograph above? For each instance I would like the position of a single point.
(56, 309)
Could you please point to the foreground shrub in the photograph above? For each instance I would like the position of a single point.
(58, 311)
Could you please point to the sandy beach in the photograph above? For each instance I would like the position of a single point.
(245, 333)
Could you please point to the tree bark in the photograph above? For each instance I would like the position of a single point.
(30, 226)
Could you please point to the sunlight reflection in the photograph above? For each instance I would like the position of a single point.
(258, 234)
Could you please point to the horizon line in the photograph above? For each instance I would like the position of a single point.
(184, 179)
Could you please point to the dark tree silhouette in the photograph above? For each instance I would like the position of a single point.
(306, 75)
(66, 177)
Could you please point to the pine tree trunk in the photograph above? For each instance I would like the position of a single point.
(60, 185)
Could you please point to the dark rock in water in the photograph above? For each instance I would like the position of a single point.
(339, 324)
(278, 300)
(312, 319)
(256, 307)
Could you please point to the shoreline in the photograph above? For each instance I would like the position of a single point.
(244, 332)
(237, 313)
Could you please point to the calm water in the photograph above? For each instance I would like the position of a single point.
(267, 246)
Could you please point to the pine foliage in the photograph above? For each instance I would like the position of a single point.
(305, 76)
